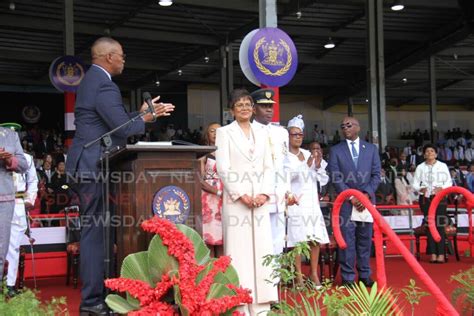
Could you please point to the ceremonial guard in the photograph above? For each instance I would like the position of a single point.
(26, 188)
(278, 140)
(11, 160)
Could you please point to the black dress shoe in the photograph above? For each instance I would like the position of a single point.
(347, 283)
(100, 309)
(12, 291)
(367, 282)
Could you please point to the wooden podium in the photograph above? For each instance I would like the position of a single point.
(138, 172)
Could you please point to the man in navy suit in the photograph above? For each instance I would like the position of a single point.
(99, 109)
(355, 164)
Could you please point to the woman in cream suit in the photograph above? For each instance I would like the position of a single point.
(244, 165)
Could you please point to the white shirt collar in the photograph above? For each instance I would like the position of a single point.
(357, 141)
(258, 124)
(106, 72)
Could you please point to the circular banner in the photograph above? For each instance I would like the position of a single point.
(244, 58)
(31, 114)
(172, 202)
(272, 57)
(66, 73)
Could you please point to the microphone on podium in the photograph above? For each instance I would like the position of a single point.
(147, 98)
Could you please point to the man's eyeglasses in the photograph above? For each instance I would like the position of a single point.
(296, 134)
(347, 125)
(121, 55)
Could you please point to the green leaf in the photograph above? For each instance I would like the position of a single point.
(229, 276)
(219, 290)
(177, 300)
(205, 271)
(309, 310)
(118, 304)
(135, 266)
(201, 251)
(371, 303)
(159, 261)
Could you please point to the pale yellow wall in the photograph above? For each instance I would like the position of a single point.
(203, 106)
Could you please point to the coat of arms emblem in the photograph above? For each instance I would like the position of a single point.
(172, 202)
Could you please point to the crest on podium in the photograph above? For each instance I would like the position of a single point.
(171, 202)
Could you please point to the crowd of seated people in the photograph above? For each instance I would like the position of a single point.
(49, 155)
(47, 146)
(455, 148)
(399, 165)
(169, 133)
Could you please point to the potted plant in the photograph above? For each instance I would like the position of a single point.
(309, 300)
(176, 276)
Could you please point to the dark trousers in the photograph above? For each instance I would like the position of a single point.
(435, 248)
(358, 236)
(92, 243)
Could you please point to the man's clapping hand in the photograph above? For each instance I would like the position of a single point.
(160, 109)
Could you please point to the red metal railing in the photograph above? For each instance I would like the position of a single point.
(434, 204)
(444, 307)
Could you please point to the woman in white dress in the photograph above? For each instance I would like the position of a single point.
(431, 177)
(244, 164)
(306, 221)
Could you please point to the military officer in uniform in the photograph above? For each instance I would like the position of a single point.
(278, 140)
(11, 160)
(26, 188)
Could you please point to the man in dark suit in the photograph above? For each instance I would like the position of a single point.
(385, 156)
(355, 164)
(98, 110)
(414, 158)
(385, 193)
(403, 163)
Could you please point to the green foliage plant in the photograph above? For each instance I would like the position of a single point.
(413, 295)
(463, 294)
(28, 303)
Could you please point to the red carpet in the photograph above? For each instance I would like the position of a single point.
(398, 276)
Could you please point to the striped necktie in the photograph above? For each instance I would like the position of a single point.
(355, 154)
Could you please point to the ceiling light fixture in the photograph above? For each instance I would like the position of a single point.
(206, 59)
(165, 3)
(180, 72)
(330, 44)
(12, 6)
(298, 11)
(157, 83)
(397, 5)
(404, 80)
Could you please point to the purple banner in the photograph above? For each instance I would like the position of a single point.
(66, 73)
(272, 57)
